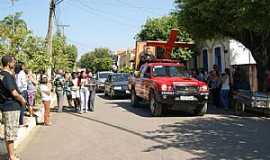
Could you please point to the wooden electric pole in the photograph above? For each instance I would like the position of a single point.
(49, 36)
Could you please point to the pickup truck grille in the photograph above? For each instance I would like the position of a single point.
(186, 89)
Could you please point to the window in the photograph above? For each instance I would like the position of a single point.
(205, 59)
(147, 72)
(218, 58)
(169, 71)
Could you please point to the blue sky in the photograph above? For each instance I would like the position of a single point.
(93, 23)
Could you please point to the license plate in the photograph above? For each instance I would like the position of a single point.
(188, 98)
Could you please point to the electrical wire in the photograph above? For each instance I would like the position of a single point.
(92, 11)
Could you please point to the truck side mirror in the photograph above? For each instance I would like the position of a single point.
(137, 74)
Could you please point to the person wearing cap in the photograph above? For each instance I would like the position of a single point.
(10, 104)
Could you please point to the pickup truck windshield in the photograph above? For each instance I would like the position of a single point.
(103, 75)
(120, 78)
(169, 71)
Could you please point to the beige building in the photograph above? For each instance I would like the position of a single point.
(125, 58)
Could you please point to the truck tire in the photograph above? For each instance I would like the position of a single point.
(134, 99)
(155, 106)
(201, 110)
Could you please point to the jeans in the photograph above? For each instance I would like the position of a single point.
(92, 97)
(60, 100)
(84, 93)
(224, 98)
(22, 109)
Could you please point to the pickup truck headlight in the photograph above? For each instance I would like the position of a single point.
(117, 88)
(165, 87)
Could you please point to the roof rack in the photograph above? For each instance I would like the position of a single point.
(163, 61)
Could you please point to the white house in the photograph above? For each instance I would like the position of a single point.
(224, 53)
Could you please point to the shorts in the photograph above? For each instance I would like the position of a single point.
(75, 94)
(11, 124)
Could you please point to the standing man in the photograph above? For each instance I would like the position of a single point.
(92, 93)
(10, 103)
(21, 80)
(59, 82)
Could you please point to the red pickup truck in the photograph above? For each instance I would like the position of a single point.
(168, 86)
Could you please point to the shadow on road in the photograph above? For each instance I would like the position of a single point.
(225, 138)
(222, 137)
(114, 98)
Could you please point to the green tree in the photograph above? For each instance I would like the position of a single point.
(247, 21)
(160, 28)
(16, 39)
(98, 60)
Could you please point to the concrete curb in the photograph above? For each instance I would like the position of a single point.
(23, 132)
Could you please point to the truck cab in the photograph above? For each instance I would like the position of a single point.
(166, 85)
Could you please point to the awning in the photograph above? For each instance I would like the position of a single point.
(239, 54)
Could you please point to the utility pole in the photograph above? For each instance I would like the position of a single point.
(63, 26)
(49, 37)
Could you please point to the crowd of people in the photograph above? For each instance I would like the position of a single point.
(18, 92)
(222, 86)
(79, 88)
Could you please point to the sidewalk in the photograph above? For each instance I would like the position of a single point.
(24, 132)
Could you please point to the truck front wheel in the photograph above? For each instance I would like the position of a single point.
(201, 110)
(155, 106)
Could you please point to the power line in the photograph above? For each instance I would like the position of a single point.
(137, 7)
(92, 11)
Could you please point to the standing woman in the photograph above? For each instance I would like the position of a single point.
(31, 91)
(84, 92)
(67, 88)
(45, 89)
(75, 91)
(215, 87)
(225, 89)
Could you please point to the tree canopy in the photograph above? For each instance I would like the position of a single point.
(98, 60)
(247, 21)
(159, 29)
(16, 39)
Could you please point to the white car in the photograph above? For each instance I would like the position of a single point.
(101, 78)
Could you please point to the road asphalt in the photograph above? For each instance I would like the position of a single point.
(116, 131)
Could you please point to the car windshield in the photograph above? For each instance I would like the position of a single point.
(103, 75)
(120, 77)
(169, 71)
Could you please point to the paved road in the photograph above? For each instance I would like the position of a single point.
(115, 131)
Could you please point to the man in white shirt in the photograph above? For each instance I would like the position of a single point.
(21, 80)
